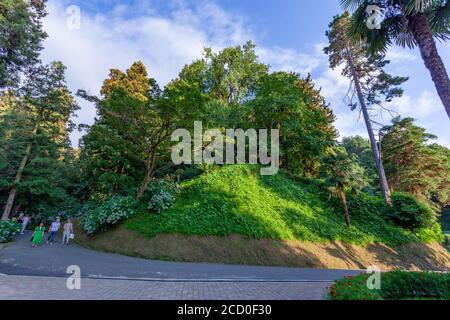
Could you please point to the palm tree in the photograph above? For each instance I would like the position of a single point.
(342, 172)
(408, 23)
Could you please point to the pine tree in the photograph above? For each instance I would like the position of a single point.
(412, 165)
(369, 82)
(37, 125)
(21, 37)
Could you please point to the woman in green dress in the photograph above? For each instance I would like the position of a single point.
(38, 235)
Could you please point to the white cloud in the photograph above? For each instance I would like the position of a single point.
(334, 85)
(400, 55)
(281, 59)
(424, 106)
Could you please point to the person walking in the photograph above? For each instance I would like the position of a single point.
(67, 231)
(25, 222)
(38, 235)
(53, 231)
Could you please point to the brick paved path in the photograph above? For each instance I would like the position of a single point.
(49, 288)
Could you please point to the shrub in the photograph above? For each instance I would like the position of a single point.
(396, 285)
(412, 285)
(161, 201)
(109, 213)
(7, 230)
(162, 193)
(409, 213)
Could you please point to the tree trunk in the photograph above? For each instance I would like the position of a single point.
(13, 191)
(376, 154)
(344, 205)
(433, 62)
(149, 166)
(16, 209)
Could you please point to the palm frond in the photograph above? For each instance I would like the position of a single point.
(351, 5)
(417, 6)
(439, 19)
(399, 31)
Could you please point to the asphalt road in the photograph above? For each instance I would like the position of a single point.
(19, 258)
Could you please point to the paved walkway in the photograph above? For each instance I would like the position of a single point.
(49, 288)
(110, 276)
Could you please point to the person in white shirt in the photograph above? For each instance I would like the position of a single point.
(67, 231)
(53, 231)
(25, 222)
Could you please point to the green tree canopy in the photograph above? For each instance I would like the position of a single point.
(414, 166)
(21, 37)
(36, 161)
(290, 103)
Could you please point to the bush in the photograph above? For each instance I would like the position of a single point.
(415, 285)
(409, 213)
(162, 194)
(7, 230)
(109, 213)
(396, 285)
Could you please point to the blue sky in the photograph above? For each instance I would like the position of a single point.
(166, 34)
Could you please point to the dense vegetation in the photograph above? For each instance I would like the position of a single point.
(122, 170)
(395, 285)
(237, 200)
(7, 230)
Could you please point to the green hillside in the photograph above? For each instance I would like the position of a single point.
(237, 200)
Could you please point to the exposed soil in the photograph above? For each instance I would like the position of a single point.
(241, 250)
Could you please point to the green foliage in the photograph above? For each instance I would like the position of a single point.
(409, 213)
(8, 229)
(21, 37)
(376, 84)
(407, 23)
(291, 104)
(413, 166)
(237, 200)
(396, 285)
(353, 288)
(342, 172)
(109, 213)
(399, 19)
(233, 74)
(360, 148)
(161, 201)
(118, 150)
(370, 84)
(162, 194)
(34, 143)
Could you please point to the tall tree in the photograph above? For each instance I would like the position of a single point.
(414, 166)
(369, 81)
(287, 102)
(342, 173)
(134, 122)
(21, 36)
(408, 23)
(37, 126)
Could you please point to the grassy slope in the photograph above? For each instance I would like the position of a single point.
(236, 200)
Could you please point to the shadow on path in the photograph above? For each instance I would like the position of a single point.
(18, 258)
